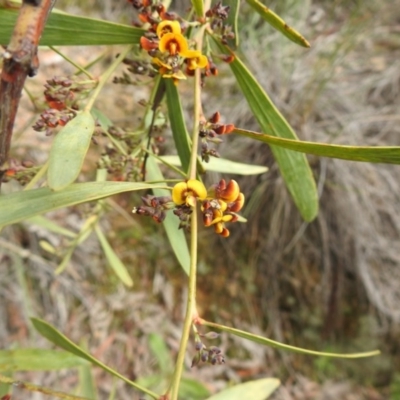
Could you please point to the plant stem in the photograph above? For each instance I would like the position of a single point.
(104, 78)
(191, 311)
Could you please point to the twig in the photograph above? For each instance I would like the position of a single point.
(20, 61)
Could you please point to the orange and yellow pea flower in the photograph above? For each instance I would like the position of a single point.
(187, 192)
(195, 59)
(173, 43)
(168, 27)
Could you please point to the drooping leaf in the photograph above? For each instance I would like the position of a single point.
(260, 389)
(373, 154)
(114, 261)
(178, 126)
(223, 165)
(278, 23)
(38, 360)
(293, 166)
(160, 350)
(272, 343)
(56, 337)
(19, 206)
(65, 29)
(175, 236)
(69, 151)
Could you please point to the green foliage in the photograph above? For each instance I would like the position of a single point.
(53, 185)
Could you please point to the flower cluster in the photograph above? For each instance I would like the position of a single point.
(62, 95)
(218, 205)
(212, 355)
(170, 51)
(208, 132)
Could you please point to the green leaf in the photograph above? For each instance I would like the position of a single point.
(232, 21)
(86, 382)
(56, 337)
(373, 154)
(112, 258)
(293, 166)
(19, 206)
(193, 389)
(50, 226)
(178, 126)
(278, 23)
(175, 236)
(40, 389)
(223, 165)
(69, 151)
(161, 352)
(38, 360)
(198, 7)
(260, 389)
(65, 29)
(272, 343)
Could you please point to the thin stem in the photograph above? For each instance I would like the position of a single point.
(77, 66)
(197, 115)
(191, 312)
(104, 78)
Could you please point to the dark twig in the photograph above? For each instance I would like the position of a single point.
(20, 61)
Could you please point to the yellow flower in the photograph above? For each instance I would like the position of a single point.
(195, 59)
(168, 27)
(173, 43)
(187, 192)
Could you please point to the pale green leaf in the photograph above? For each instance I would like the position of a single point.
(86, 382)
(57, 338)
(278, 23)
(260, 389)
(50, 226)
(178, 125)
(114, 261)
(293, 166)
(69, 151)
(160, 351)
(223, 165)
(272, 343)
(22, 205)
(65, 29)
(38, 360)
(175, 236)
(373, 154)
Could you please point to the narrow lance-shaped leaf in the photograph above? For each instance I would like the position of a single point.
(278, 23)
(114, 261)
(68, 30)
(293, 166)
(19, 206)
(178, 126)
(373, 154)
(259, 389)
(38, 360)
(69, 151)
(223, 165)
(272, 343)
(232, 21)
(56, 337)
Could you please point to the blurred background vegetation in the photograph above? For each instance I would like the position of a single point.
(333, 284)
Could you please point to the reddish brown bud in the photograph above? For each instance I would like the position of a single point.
(215, 118)
(228, 58)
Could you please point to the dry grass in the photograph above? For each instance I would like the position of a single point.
(333, 283)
